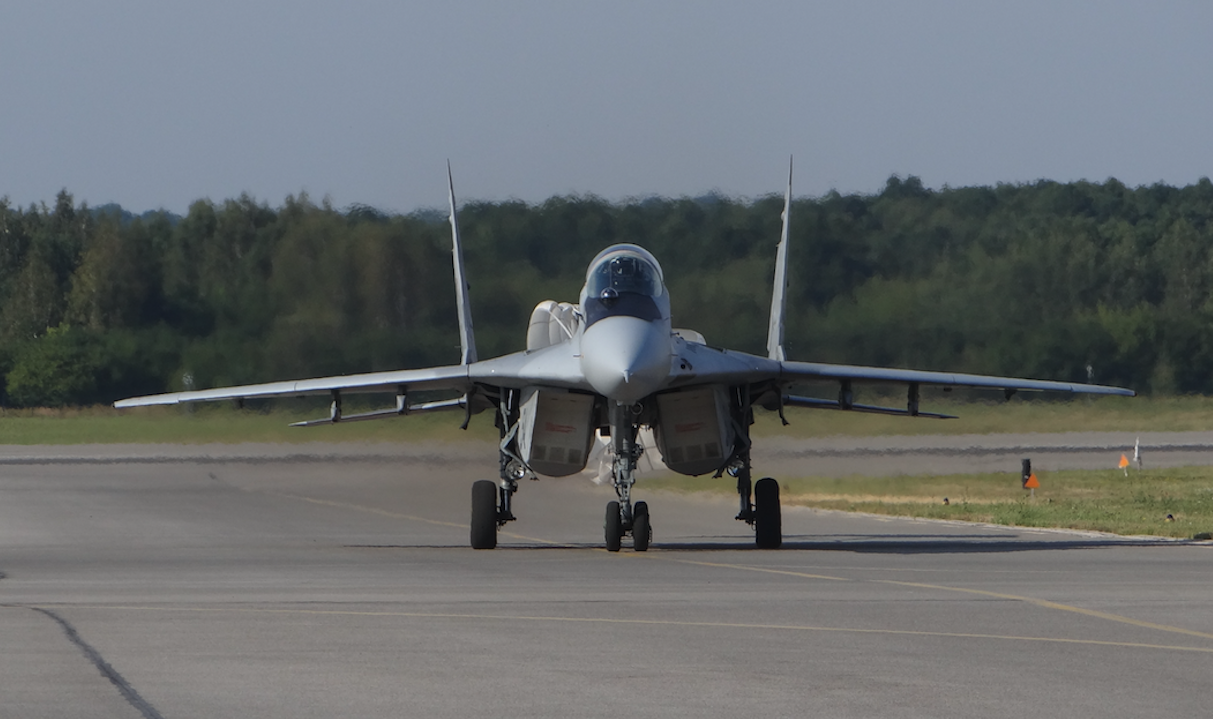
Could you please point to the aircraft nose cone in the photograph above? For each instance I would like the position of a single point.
(625, 358)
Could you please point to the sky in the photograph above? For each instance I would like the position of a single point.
(156, 105)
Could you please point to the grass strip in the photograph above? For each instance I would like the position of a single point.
(1099, 500)
(984, 416)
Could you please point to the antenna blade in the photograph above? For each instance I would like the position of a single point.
(779, 291)
(467, 339)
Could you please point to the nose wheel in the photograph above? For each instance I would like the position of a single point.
(642, 532)
(613, 527)
(616, 527)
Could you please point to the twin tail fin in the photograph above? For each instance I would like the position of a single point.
(779, 298)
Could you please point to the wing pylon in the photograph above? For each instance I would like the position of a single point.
(402, 408)
(817, 403)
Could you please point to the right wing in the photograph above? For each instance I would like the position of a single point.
(454, 377)
(554, 366)
(807, 371)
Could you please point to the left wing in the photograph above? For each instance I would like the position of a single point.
(847, 375)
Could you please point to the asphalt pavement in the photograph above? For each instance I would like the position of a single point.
(325, 581)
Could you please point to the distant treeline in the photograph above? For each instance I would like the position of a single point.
(1039, 280)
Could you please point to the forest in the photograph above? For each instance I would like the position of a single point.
(1041, 280)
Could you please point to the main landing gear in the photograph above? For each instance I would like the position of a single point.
(484, 515)
(492, 501)
(763, 512)
(487, 515)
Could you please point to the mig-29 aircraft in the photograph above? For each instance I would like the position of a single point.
(609, 366)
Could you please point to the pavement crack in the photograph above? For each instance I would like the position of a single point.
(124, 687)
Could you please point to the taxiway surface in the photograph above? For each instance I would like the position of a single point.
(298, 583)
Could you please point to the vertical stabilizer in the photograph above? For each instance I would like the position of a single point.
(779, 292)
(467, 339)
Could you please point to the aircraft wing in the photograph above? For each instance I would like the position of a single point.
(454, 377)
(810, 371)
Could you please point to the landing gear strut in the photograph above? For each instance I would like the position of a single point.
(622, 518)
(759, 509)
(763, 513)
(492, 502)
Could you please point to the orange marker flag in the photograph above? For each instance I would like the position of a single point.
(1032, 483)
(1124, 462)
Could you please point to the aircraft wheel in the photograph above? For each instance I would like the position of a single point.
(642, 532)
(613, 527)
(484, 514)
(768, 526)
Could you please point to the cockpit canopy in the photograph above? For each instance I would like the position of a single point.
(624, 280)
(624, 268)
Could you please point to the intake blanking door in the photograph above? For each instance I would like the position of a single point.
(694, 433)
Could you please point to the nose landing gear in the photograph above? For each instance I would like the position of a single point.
(615, 528)
(622, 517)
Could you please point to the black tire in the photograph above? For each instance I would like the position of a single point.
(612, 527)
(768, 525)
(641, 529)
(484, 514)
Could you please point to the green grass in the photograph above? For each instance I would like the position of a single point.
(1100, 500)
(224, 424)
(1088, 414)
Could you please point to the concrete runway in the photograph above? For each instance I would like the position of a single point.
(314, 581)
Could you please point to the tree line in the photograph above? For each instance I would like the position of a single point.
(1051, 280)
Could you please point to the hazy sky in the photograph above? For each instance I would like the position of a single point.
(156, 104)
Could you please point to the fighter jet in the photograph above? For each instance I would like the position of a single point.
(607, 367)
